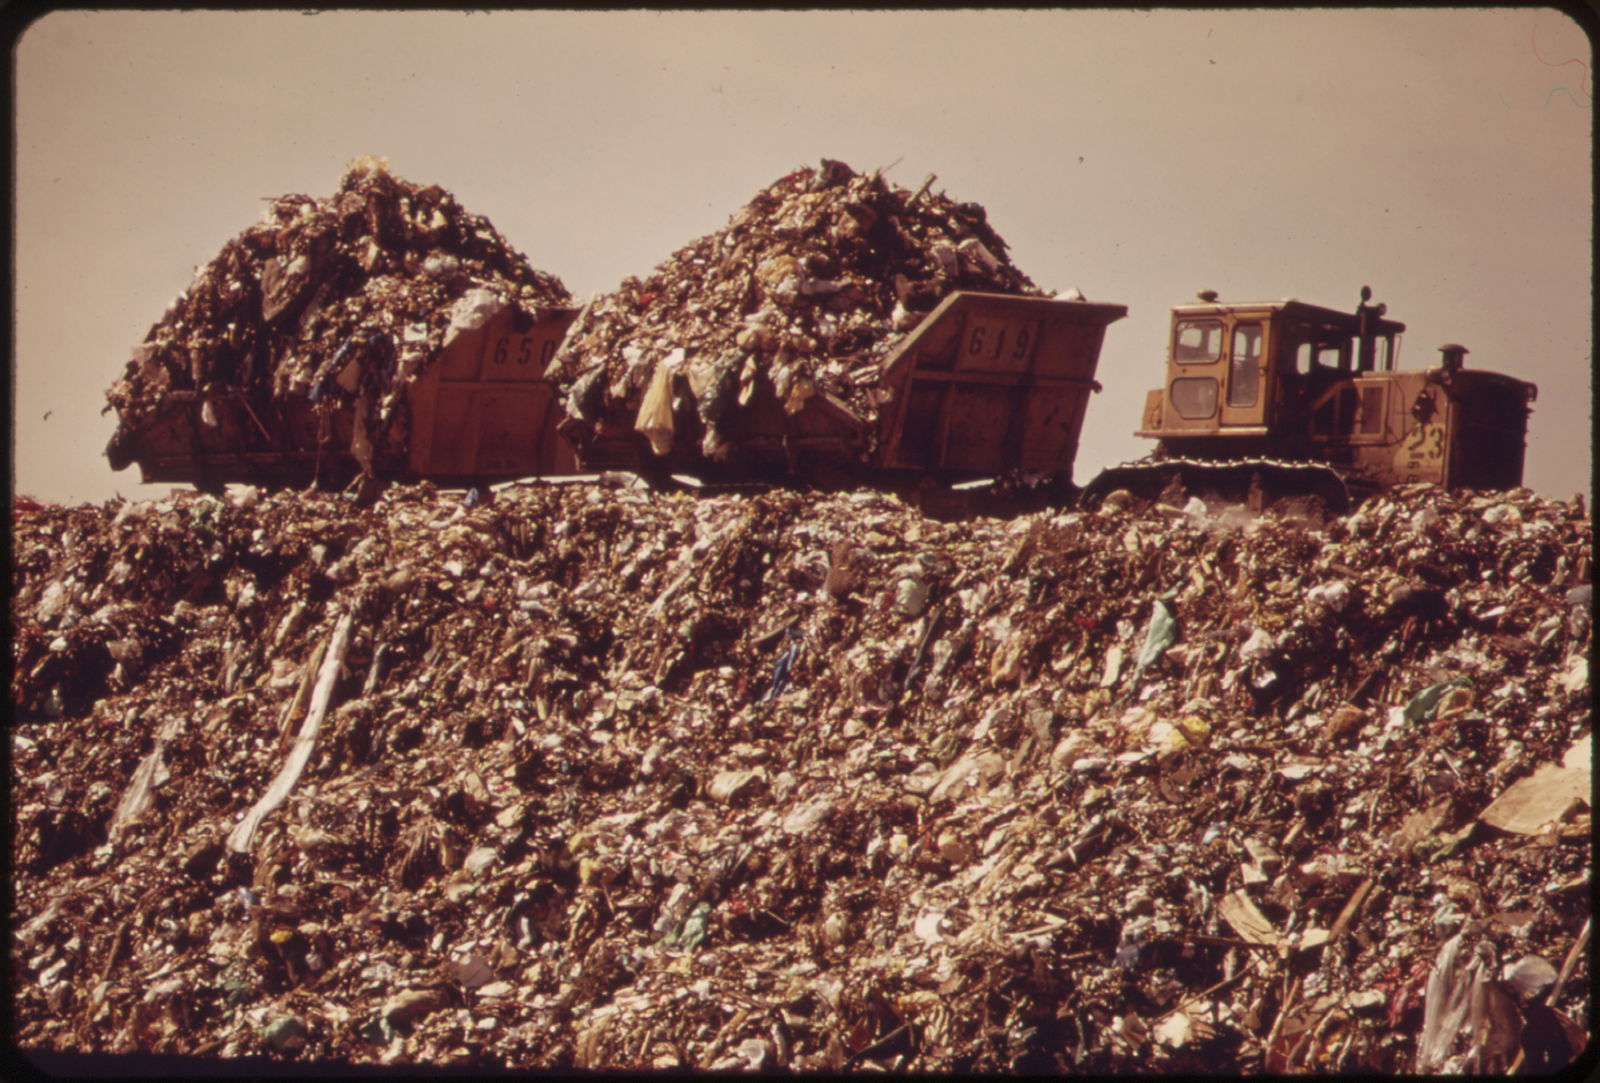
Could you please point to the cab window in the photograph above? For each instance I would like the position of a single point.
(1371, 422)
(1244, 367)
(1327, 355)
(1197, 341)
(1194, 397)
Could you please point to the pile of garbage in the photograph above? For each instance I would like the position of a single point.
(339, 299)
(805, 292)
(588, 776)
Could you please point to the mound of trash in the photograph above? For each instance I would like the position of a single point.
(588, 776)
(803, 293)
(348, 297)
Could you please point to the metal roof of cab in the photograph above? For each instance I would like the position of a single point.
(1292, 306)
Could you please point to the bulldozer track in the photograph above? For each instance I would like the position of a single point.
(1254, 482)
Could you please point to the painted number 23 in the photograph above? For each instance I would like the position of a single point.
(1426, 442)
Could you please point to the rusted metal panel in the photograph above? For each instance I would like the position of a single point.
(483, 411)
(990, 383)
(1416, 444)
(453, 446)
(1492, 424)
(1054, 421)
(243, 441)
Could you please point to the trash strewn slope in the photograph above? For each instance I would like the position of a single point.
(591, 776)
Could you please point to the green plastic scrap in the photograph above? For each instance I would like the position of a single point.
(203, 514)
(689, 935)
(1158, 635)
(694, 930)
(1425, 702)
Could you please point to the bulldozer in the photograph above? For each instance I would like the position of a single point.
(1285, 403)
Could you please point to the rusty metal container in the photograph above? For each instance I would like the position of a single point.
(992, 383)
(479, 412)
(985, 384)
(483, 410)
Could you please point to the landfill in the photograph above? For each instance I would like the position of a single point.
(803, 293)
(343, 300)
(585, 776)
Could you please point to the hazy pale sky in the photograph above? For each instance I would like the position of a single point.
(1443, 157)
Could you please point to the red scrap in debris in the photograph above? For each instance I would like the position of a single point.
(25, 504)
(1410, 991)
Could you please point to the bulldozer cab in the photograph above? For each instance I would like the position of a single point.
(1244, 371)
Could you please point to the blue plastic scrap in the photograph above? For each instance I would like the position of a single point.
(780, 670)
(323, 381)
(1133, 947)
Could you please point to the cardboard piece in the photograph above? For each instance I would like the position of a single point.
(1545, 797)
(1248, 921)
